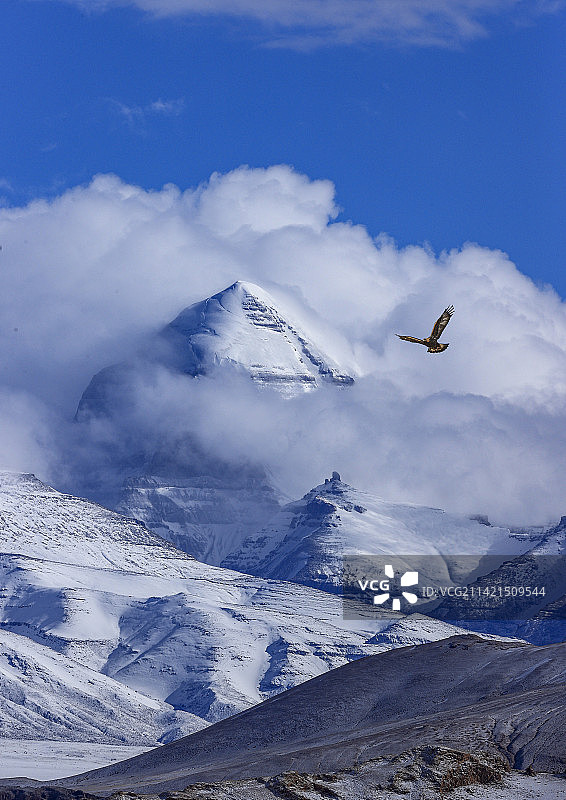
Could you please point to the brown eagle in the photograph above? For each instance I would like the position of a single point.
(432, 342)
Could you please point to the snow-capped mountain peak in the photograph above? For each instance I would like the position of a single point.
(242, 325)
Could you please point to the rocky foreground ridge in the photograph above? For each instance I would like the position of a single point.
(422, 773)
(464, 693)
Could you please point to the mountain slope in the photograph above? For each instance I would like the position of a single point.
(40, 522)
(46, 695)
(505, 697)
(201, 515)
(540, 620)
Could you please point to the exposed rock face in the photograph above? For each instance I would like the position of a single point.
(204, 516)
(422, 770)
(445, 769)
(42, 793)
(423, 773)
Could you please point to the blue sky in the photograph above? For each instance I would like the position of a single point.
(439, 121)
(440, 131)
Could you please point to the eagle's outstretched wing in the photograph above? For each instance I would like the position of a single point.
(442, 322)
(411, 339)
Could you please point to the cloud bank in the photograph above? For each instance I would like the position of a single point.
(312, 22)
(87, 277)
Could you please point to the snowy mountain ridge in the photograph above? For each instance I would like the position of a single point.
(307, 540)
(57, 526)
(90, 595)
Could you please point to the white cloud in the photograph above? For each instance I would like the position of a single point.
(27, 433)
(479, 428)
(137, 116)
(311, 22)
